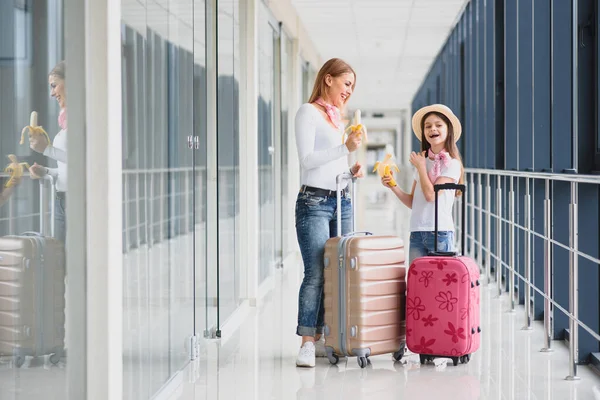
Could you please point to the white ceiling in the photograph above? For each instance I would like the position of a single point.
(389, 43)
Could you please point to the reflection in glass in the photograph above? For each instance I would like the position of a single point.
(158, 193)
(266, 165)
(228, 87)
(33, 131)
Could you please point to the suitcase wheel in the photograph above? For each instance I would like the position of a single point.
(465, 359)
(363, 362)
(425, 358)
(333, 359)
(54, 358)
(399, 354)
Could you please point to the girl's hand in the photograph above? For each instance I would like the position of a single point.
(418, 160)
(357, 170)
(387, 179)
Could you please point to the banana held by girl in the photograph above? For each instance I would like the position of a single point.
(15, 169)
(384, 168)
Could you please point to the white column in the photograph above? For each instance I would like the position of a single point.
(104, 258)
(249, 151)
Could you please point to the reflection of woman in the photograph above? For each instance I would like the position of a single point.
(58, 150)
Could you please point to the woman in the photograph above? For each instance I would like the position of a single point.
(322, 158)
(58, 150)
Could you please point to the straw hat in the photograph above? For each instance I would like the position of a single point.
(442, 109)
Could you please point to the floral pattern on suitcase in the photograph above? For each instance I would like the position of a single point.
(442, 306)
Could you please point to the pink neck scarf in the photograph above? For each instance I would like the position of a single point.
(439, 160)
(62, 118)
(332, 111)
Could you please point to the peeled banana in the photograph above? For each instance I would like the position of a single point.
(384, 168)
(34, 129)
(356, 126)
(15, 169)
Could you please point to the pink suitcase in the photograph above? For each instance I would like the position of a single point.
(442, 302)
(365, 286)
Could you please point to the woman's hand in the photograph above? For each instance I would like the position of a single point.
(354, 141)
(357, 170)
(37, 171)
(418, 160)
(38, 143)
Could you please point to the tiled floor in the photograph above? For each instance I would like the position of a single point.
(257, 362)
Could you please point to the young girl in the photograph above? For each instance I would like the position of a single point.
(438, 129)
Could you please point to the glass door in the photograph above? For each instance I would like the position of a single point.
(269, 201)
(158, 193)
(205, 260)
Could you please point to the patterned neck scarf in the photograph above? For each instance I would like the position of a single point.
(439, 160)
(62, 118)
(332, 111)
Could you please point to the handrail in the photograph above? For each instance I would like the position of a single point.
(565, 177)
(506, 216)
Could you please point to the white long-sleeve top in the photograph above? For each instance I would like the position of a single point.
(58, 152)
(321, 152)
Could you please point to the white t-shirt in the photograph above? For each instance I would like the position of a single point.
(321, 153)
(58, 152)
(423, 212)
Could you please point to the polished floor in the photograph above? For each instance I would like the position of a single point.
(257, 362)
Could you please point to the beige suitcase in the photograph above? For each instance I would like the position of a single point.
(365, 292)
(32, 290)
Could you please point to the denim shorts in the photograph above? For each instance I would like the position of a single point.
(316, 222)
(421, 243)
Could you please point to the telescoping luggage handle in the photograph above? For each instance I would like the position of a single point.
(450, 186)
(339, 180)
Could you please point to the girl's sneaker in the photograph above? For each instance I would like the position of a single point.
(306, 355)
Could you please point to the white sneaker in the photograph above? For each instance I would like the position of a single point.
(320, 348)
(306, 355)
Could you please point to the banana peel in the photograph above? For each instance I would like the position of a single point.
(384, 168)
(356, 126)
(34, 129)
(15, 169)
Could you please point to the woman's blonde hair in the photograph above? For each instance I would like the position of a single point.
(59, 70)
(334, 67)
(450, 144)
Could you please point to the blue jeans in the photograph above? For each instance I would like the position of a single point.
(316, 222)
(421, 243)
(60, 219)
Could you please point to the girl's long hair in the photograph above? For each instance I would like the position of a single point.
(450, 144)
(334, 67)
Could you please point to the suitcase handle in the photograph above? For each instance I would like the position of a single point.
(341, 178)
(359, 233)
(436, 189)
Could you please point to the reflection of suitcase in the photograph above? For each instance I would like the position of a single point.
(365, 284)
(442, 302)
(32, 289)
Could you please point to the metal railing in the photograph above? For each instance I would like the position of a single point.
(481, 246)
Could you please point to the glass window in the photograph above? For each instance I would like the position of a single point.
(266, 147)
(159, 80)
(33, 133)
(228, 129)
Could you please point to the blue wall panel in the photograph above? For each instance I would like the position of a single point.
(541, 136)
(561, 151)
